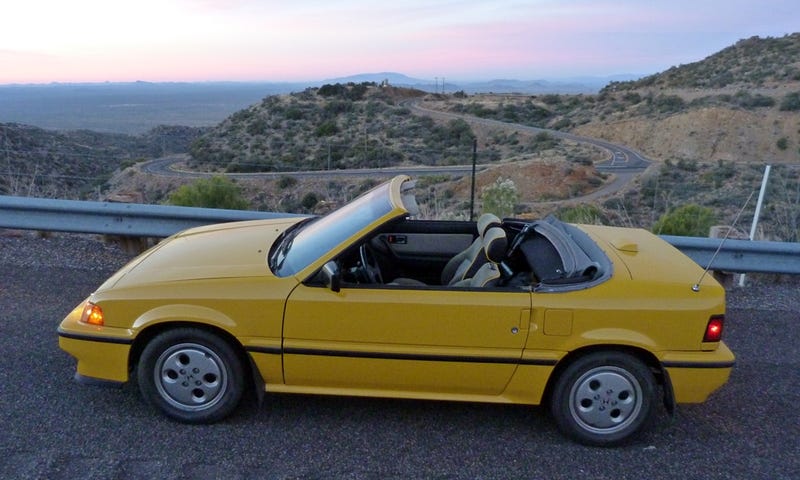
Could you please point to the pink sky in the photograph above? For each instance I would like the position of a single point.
(45, 41)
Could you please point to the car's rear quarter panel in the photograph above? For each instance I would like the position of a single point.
(648, 305)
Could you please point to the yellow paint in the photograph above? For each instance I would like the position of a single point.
(435, 343)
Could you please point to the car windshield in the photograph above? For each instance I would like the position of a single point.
(312, 239)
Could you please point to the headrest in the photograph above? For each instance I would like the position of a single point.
(486, 221)
(495, 244)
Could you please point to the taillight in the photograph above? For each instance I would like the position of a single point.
(92, 314)
(714, 328)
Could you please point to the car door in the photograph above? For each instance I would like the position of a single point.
(434, 340)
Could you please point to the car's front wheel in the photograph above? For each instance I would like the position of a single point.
(604, 398)
(191, 375)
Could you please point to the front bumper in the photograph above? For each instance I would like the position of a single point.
(696, 375)
(102, 352)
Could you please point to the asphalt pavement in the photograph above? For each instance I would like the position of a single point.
(54, 428)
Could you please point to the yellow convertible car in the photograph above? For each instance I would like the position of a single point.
(599, 323)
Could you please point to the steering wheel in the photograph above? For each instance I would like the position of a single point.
(369, 266)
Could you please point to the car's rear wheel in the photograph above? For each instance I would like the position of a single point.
(604, 398)
(191, 375)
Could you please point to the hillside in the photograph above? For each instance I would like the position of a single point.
(709, 138)
(76, 164)
(751, 63)
(354, 126)
(710, 127)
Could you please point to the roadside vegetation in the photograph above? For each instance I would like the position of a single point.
(345, 126)
(214, 192)
(709, 127)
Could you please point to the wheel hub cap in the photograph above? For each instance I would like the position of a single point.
(190, 377)
(605, 400)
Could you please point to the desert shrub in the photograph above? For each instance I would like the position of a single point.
(632, 97)
(690, 220)
(543, 141)
(214, 192)
(309, 201)
(791, 102)
(327, 128)
(586, 214)
(329, 90)
(551, 99)
(782, 143)
(257, 127)
(286, 181)
(747, 100)
(500, 197)
(669, 103)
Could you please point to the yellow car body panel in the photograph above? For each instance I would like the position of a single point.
(102, 352)
(305, 335)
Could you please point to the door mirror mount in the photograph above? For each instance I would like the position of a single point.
(332, 276)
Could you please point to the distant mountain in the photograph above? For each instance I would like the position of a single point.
(394, 78)
(567, 85)
(136, 107)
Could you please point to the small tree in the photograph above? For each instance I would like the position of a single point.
(500, 198)
(687, 221)
(214, 192)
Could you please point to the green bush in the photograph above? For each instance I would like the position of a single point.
(585, 213)
(214, 192)
(669, 103)
(500, 197)
(309, 201)
(690, 220)
(327, 129)
(791, 102)
(782, 143)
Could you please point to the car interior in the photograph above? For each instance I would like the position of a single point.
(489, 253)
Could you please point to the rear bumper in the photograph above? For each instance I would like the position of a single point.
(696, 375)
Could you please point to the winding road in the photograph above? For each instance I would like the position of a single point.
(623, 162)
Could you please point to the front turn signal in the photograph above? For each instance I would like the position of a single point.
(92, 314)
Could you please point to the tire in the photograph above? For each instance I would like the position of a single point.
(603, 399)
(191, 375)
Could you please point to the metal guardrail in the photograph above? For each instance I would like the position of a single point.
(138, 220)
(126, 219)
(740, 256)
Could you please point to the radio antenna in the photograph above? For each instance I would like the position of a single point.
(696, 286)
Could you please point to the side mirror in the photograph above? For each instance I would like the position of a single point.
(331, 276)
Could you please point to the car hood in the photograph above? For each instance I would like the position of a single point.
(228, 250)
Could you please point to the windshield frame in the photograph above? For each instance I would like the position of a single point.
(312, 240)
